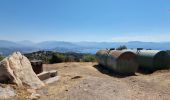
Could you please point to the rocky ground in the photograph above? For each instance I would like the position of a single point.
(88, 81)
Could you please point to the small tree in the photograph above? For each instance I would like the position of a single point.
(89, 58)
(70, 58)
(57, 58)
(121, 47)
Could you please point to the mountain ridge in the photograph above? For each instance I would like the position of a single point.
(26, 46)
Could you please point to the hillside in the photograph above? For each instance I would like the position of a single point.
(7, 47)
(57, 57)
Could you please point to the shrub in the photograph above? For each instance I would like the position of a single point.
(49, 57)
(1, 58)
(121, 47)
(89, 58)
(57, 58)
(70, 59)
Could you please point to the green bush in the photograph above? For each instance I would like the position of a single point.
(1, 58)
(57, 58)
(122, 47)
(168, 51)
(70, 58)
(49, 57)
(89, 58)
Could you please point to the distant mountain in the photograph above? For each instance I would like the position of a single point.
(149, 45)
(8, 44)
(55, 44)
(99, 44)
(27, 43)
(7, 47)
(131, 44)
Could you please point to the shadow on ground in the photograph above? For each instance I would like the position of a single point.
(106, 71)
(144, 71)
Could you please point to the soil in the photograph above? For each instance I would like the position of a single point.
(89, 81)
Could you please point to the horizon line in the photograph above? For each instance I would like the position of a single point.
(84, 41)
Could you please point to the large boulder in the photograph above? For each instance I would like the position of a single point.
(7, 92)
(17, 69)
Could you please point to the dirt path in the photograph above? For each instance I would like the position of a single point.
(85, 81)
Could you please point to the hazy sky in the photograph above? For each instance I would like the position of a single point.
(85, 20)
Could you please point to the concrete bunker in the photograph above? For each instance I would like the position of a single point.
(153, 59)
(122, 62)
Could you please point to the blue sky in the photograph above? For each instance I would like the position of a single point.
(85, 20)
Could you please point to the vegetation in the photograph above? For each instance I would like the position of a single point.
(40, 55)
(1, 58)
(168, 51)
(89, 58)
(56, 57)
(121, 47)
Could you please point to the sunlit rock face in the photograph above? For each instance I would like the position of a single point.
(17, 69)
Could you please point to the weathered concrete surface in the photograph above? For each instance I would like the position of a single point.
(47, 74)
(37, 66)
(51, 80)
(17, 69)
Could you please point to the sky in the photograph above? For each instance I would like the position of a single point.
(85, 20)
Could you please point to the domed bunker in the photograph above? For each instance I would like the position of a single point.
(122, 62)
(102, 56)
(153, 59)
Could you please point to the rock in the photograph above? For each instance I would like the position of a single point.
(85, 90)
(17, 69)
(31, 90)
(35, 96)
(76, 77)
(6, 92)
